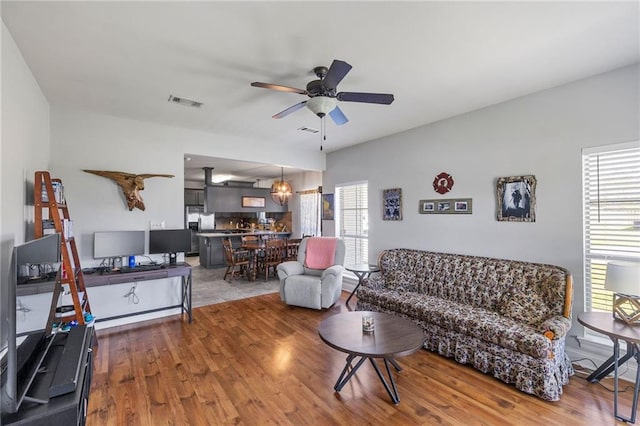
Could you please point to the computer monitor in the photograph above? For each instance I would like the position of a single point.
(41, 250)
(170, 241)
(110, 244)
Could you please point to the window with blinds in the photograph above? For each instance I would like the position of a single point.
(353, 217)
(611, 184)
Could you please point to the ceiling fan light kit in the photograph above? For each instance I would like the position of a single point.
(322, 105)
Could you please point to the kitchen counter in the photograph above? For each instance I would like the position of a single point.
(235, 232)
(211, 251)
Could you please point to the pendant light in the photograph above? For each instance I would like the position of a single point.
(281, 191)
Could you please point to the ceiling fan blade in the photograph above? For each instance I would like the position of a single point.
(290, 110)
(278, 87)
(370, 98)
(338, 116)
(336, 73)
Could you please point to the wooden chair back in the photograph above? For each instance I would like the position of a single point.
(293, 244)
(274, 254)
(235, 258)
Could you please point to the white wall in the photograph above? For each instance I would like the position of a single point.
(24, 148)
(82, 140)
(25, 138)
(541, 134)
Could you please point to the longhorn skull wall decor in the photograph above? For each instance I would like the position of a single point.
(130, 183)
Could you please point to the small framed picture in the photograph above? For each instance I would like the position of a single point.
(327, 206)
(253, 202)
(516, 198)
(428, 206)
(446, 206)
(461, 206)
(392, 202)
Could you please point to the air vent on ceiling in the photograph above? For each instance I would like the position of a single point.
(308, 129)
(185, 101)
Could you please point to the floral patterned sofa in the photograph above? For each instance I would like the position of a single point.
(505, 318)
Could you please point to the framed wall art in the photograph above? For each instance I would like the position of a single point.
(516, 198)
(255, 202)
(327, 207)
(392, 204)
(446, 206)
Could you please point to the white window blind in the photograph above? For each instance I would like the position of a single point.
(353, 221)
(611, 184)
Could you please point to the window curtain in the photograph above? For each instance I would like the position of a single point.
(310, 213)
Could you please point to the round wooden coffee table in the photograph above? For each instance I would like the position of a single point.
(392, 337)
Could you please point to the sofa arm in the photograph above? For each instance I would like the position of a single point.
(555, 328)
(286, 269)
(334, 270)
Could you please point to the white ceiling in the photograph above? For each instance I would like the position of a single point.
(439, 59)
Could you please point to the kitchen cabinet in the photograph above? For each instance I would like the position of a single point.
(212, 252)
(194, 197)
(225, 199)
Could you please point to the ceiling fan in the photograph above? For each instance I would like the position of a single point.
(323, 93)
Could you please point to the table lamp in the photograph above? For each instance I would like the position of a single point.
(623, 279)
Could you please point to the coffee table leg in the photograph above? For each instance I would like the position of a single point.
(395, 364)
(393, 391)
(340, 383)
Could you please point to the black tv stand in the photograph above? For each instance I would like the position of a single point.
(51, 402)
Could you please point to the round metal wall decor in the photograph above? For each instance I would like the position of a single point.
(443, 183)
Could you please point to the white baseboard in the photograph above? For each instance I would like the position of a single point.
(592, 353)
(136, 318)
(348, 284)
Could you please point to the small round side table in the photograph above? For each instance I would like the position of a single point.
(362, 271)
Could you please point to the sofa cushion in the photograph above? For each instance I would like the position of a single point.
(480, 323)
(525, 306)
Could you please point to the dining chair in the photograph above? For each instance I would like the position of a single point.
(237, 260)
(274, 253)
(293, 245)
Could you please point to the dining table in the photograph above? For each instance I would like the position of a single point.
(254, 248)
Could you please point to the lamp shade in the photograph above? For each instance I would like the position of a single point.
(623, 278)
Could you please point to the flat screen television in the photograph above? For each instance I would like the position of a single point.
(171, 241)
(111, 244)
(21, 362)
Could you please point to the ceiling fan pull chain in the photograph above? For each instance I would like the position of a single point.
(323, 136)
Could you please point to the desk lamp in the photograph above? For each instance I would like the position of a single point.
(623, 279)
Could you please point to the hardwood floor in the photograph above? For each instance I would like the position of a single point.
(258, 361)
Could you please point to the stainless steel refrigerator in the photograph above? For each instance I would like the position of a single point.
(197, 220)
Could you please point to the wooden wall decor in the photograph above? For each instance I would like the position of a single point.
(131, 185)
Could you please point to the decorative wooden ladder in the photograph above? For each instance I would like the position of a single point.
(48, 194)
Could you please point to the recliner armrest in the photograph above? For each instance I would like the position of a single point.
(334, 270)
(289, 268)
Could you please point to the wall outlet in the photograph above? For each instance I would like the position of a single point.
(156, 225)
